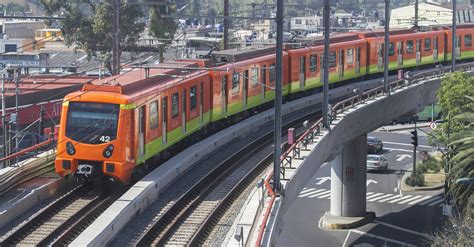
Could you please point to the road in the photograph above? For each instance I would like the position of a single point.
(403, 219)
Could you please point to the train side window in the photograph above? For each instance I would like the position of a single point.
(193, 97)
(350, 56)
(468, 40)
(428, 44)
(235, 82)
(154, 115)
(272, 71)
(409, 46)
(175, 105)
(313, 62)
(332, 59)
(391, 49)
(254, 77)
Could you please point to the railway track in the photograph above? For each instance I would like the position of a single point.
(190, 218)
(59, 222)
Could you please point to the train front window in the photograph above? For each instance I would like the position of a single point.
(92, 123)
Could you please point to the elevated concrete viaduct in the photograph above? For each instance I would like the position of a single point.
(345, 147)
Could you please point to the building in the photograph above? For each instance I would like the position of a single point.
(22, 29)
(430, 14)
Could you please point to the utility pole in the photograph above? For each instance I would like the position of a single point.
(40, 125)
(17, 126)
(226, 24)
(454, 40)
(416, 14)
(115, 39)
(5, 140)
(387, 44)
(326, 24)
(278, 99)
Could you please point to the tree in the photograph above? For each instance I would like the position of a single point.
(163, 28)
(88, 25)
(456, 98)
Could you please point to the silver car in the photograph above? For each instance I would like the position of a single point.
(376, 162)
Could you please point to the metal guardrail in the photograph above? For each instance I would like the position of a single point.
(310, 136)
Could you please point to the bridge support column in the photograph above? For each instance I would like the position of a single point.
(348, 187)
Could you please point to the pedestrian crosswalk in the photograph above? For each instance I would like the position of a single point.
(436, 200)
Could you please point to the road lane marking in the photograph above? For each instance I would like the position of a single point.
(402, 150)
(369, 193)
(374, 195)
(345, 240)
(381, 197)
(409, 199)
(406, 144)
(303, 194)
(325, 196)
(403, 229)
(436, 202)
(430, 200)
(380, 237)
(320, 193)
(419, 200)
(390, 198)
(400, 198)
(307, 190)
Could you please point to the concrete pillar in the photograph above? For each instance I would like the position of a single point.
(348, 179)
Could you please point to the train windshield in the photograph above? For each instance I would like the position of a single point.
(92, 123)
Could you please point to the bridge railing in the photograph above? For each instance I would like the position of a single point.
(310, 135)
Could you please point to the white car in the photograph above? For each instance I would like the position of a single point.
(376, 162)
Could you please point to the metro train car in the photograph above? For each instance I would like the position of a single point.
(107, 129)
(113, 126)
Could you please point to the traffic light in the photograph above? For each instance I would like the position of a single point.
(414, 138)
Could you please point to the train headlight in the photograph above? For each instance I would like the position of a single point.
(70, 148)
(108, 151)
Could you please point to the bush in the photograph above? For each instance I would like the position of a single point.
(421, 167)
(416, 179)
(433, 165)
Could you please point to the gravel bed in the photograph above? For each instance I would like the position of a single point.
(142, 221)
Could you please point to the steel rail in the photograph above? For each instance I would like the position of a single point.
(80, 205)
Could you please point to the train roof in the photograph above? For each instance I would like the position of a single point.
(139, 79)
(235, 55)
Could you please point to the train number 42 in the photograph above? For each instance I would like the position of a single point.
(105, 138)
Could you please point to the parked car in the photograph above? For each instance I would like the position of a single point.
(405, 120)
(376, 162)
(374, 145)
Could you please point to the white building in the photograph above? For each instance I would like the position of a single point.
(429, 14)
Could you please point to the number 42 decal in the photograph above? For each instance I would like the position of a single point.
(105, 138)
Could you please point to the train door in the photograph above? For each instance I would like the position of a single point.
(400, 52)
(164, 114)
(201, 99)
(141, 131)
(224, 94)
(341, 64)
(302, 75)
(264, 81)
(380, 56)
(183, 112)
(245, 88)
(418, 51)
(357, 63)
(435, 49)
(458, 47)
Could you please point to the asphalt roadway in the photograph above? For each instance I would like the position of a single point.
(403, 219)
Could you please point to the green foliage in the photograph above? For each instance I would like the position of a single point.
(432, 165)
(14, 7)
(416, 178)
(163, 28)
(456, 97)
(88, 25)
